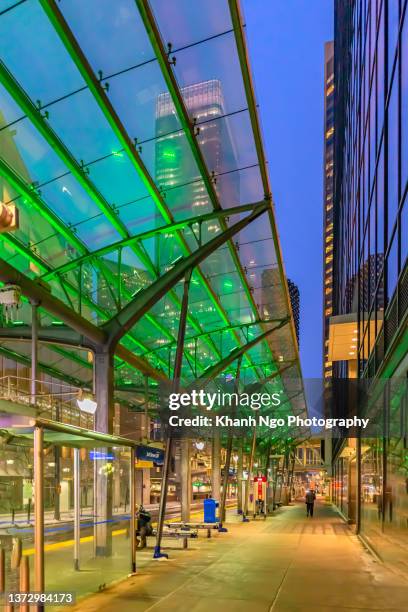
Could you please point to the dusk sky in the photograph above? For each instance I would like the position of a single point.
(286, 43)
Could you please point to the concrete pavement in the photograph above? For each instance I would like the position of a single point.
(286, 563)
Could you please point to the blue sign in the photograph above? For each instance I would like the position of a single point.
(149, 453)
(95, 455)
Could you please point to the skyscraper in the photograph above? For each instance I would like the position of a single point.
(370, 294)
(328, 160)
(176, 170)
(273, 300)
(295, 303)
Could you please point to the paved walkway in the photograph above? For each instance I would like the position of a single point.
(286, 563)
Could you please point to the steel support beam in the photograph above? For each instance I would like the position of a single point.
(97, 336)
(36, 291)
(146, 299)
(64, 230)
(77, 507)
(103, 389)
(59, 335)
(250, 472)
(103, 365)
(175, 388)
(219, 367)
(216, 465)
(185, 479)
(165, 229)
(240, 476)
(34, 351)
(39, 579)
(132, 487)
(228, 453)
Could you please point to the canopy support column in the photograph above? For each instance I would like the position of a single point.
(77, 508)
(34, 351)
(103, 369)
(240, 477)
(175, 388)
(248, 482)
(39, 580)
(228, 454)
(215, 465)
(132, 486)
(185, 476)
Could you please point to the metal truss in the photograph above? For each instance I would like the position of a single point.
(96, 335)
(213, 371)
(144, 301)
(67, 37)
(189, 131)
(165, 229)
(80, 173)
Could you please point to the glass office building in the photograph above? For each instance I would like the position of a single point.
(370, 254)
(328, 174)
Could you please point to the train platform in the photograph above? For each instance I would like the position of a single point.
(285, 563)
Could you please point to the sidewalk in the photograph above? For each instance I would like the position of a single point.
(286, 563)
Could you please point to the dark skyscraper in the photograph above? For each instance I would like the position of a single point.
(371, 169)
(328, 153)
(369, 331)
(295, 303)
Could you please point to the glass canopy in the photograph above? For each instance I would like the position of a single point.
(111, 174)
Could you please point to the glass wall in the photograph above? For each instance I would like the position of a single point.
(384, 477)
(372, 172)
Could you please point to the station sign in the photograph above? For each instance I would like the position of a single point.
(151, 454)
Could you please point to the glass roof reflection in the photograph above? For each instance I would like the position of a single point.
(69, 154)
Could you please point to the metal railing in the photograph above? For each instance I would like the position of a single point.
(61, 406)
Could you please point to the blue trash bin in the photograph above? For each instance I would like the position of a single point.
(210, 510)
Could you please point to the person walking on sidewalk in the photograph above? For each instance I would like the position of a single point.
(310, 500)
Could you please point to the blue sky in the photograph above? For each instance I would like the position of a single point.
(286, 44)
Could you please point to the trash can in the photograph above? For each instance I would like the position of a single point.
(210, 510)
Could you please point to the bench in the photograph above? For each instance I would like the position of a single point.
(176, 534)
(188, 526)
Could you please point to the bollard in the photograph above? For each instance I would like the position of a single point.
(2, 570)
(185, 542)
(24, 581)
(29, 510)
(13, 516)
(209, 532)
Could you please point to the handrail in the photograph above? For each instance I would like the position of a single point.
(59, 406)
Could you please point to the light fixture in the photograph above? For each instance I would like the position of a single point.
(352, 353)
(9, 461)
(199, 444)
(86, 402)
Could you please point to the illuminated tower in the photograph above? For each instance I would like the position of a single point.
(177, 174)
(328, 202)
